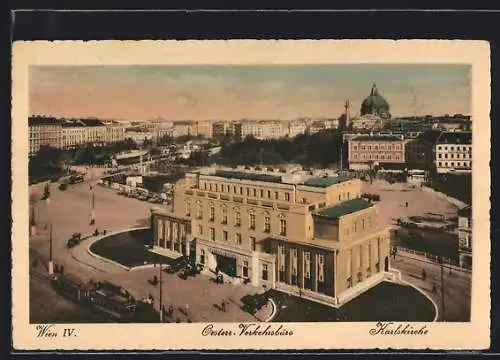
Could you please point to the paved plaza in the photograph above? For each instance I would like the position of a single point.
(198, 299)
(70, 211)
(393, 198)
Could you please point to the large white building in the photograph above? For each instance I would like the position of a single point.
(453, 153)
(290, 231)
(263, 129)
(69, 134)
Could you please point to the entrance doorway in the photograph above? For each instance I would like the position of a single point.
(226, 265)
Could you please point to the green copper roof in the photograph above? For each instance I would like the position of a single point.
(325, 182)
(344, 208)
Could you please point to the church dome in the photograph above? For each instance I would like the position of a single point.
(375, 104)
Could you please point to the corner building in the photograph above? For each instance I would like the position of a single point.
(284, 231)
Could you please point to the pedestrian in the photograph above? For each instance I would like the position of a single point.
(424, 275)
(434, 289)
(61, 270)
(407, 204)
(223, 306)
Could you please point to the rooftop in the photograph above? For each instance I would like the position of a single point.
(455, 138)
(42, 120)
(240, 175)
(377, 138)
(325, 181)
(344, 208)
(429, 136)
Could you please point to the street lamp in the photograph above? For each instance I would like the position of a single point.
(161, 295)
(51, 263)
(92, 199)
(442, 287)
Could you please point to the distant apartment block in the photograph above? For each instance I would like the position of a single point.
(204, 128)
(453, 152)
(280, 230)
(44, 131)
(68, 134)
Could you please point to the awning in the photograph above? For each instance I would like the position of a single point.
(223, 252)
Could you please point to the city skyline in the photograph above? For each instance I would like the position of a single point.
(236, 92)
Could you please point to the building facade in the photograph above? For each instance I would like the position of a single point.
(184, 128)
(465, 237)
(287, 231)
(366, 151)
(204, 128)
(420, 151)
(453, 152)
(44, 131)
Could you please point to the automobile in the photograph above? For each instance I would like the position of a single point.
(74, 240)
(77, 178)
(172, 269)
(122, 192)
(63, 186)
(143, 197)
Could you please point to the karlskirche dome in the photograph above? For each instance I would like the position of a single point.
(375, 104)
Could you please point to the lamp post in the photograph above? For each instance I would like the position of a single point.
(92, 199)
(32, 221)
(51, 263)
(442, 287)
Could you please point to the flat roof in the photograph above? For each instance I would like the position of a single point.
(324, 182)
(240, 175)
(377, 138)
(344, 208)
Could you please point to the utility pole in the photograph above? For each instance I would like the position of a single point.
(161, 297)
(92, 198)
(32, 221)
(442, 288)
(51, 263)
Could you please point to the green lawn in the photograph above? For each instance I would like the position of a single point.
(128, 248)
(384, 302)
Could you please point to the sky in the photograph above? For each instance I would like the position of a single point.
(185, 92)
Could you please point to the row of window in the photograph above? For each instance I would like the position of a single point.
(455, 148)
(225, 237)
(237, 217)
(378, 156)
(466, 164)
(378, 147)
(452, 156)
(250, 192)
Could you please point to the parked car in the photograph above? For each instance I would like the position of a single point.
(74, 240)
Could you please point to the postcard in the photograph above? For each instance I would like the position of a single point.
(262, 195)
